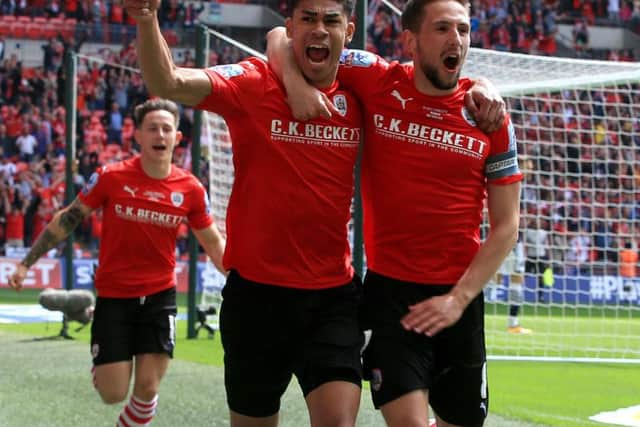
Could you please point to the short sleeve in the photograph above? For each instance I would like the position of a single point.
(235, 86)
(199, 215)
(502, 164)
(360, 71)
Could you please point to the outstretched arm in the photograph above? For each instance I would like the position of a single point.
(213, 243)
(62, 224)
(306, 102)
(163, 78)
(434, 314)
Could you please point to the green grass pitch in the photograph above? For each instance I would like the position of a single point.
(47, 383)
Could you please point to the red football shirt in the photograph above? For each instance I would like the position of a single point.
(290, 202)
(425, 169)
(141, 216)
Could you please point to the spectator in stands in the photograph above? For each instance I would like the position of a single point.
(114, 130)
(537, 248)
(7, 144)
(26, 144)
(628, 260)
(579, 252)
(613, 10)
(580, 34)
(15, 208)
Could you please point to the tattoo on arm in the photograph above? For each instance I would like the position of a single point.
(69, 220)
(43, 244)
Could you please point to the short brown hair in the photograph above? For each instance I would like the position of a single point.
(154, 105)
(413, 13)
(347, 6)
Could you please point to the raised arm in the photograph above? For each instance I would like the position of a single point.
(434, 314)
(163, 78)
(306, 102)
(213, 243)
(62, 224)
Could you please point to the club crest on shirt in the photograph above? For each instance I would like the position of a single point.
(466, 115)
(340, 102)
(228, 71)
(93, 180)
(177, 198)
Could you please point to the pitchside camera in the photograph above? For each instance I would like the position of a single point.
(76, 305)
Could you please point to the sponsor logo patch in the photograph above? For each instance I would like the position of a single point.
(228, 71)
(93, 180)
(154, 196)
(207, 203)
(357, 58)
(512, 137)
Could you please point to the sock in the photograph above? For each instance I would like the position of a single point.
(138, 413)
(513, 321)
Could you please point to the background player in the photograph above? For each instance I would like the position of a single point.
(144, 200)
(513, 269)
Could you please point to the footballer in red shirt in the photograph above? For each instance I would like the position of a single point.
(290, 302)
(427, 170)
(144, 201)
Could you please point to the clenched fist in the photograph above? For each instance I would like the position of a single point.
(142, 10)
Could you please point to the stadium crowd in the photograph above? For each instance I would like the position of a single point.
(579, 149)
(522, 26)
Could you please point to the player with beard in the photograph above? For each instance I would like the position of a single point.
(426, 171)
(144, 201)
(290, 301)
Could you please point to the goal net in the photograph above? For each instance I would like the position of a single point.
(578, 128)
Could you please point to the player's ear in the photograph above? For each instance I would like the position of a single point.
(351, 29)
(178, 137)
(409, 42)
(288, 23)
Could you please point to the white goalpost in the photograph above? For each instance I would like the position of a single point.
(578, 129)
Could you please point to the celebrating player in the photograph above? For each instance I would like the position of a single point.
(426, 169)
(290, 302)
(144, 200)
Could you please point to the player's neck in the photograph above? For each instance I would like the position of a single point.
(155, 169)
(324, 83)
(426, 87)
